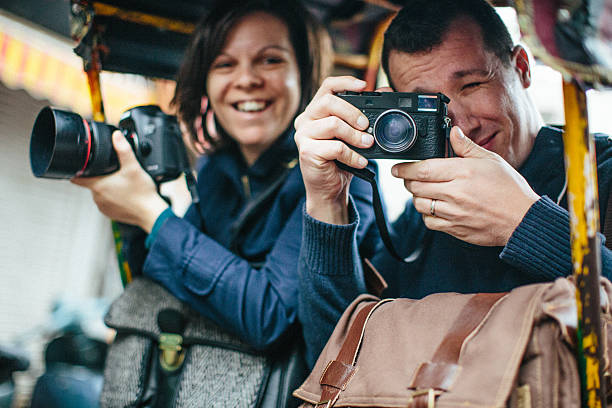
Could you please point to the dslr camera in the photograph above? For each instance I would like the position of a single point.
(64, 145)
(405, 125)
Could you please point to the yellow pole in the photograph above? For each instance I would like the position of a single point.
(586, 253)
(92, 69)
(373, 66)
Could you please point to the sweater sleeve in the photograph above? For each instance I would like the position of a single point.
(258, 305)
(540, 245)
(330, 277)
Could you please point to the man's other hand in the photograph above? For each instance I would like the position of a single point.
(479, 197)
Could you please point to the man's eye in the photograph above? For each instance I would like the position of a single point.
(472, 85)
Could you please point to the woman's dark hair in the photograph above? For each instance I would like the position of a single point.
(421, 25)
(305, 34)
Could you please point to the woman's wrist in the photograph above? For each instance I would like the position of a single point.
(150, 214)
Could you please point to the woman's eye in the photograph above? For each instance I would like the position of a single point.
(272, 60)
(223, 64)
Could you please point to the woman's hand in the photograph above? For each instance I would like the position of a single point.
(128, 195)
(321, 132)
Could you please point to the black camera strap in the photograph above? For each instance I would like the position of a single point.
(381, 222)
(256, 205)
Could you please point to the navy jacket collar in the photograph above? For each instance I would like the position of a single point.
(541, 169)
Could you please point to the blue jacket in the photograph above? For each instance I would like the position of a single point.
(192, 256)
(537, 251)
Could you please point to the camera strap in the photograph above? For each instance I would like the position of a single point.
(255, 206)
(381, 222)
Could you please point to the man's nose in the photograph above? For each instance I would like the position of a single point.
(463, 115)
(248, 77)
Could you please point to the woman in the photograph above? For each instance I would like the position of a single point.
(255, 67)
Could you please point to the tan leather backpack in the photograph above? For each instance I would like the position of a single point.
(513, 349)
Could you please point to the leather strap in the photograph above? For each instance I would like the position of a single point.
(375, 283)
(339, 372)
(439, 374)
(607, 231)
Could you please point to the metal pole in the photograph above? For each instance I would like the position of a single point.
(92, 68)
(583, 209)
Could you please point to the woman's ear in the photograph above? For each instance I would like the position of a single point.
(520, 62)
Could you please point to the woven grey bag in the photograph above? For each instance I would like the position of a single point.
(203, 366)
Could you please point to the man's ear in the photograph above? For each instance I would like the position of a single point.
(520, 62)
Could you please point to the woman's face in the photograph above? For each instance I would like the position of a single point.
(254, 83)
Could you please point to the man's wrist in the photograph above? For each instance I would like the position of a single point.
(329, 211)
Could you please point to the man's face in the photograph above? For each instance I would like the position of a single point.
(488, 99)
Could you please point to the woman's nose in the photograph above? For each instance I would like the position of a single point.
(248, 77)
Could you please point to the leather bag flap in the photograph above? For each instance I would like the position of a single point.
(410, 331)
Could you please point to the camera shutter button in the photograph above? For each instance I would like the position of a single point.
(145, 148)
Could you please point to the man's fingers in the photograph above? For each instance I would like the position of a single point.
(339, 84)
(430, 206)
(333, 127)
(432, 170)
(325, 103)
(332, 105)
(323, 151)
(428, 189)
(464, 147)
(436, 223)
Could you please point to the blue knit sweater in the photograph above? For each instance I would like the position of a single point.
(330, 270)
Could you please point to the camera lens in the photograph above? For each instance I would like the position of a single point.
(395, 131)
(64, 145)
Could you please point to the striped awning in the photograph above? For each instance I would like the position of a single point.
(46, 67)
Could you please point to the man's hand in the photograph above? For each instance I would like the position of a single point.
(321, 132)
(128, 195)
(479, 197)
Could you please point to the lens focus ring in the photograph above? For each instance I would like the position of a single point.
(395, 131)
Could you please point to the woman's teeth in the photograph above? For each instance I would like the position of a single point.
(251, 106)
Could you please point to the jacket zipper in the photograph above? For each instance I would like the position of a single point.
(246, 186)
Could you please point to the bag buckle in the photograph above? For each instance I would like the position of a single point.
(172, 354)
(431, 397)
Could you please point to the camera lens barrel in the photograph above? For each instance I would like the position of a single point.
(63, 145)
(395, 130)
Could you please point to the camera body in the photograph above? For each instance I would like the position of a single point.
(64, 145)
(156, 140)
(405, 125)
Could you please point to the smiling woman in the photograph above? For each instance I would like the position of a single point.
(253, 85)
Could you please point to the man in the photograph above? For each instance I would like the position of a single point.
(489, 220)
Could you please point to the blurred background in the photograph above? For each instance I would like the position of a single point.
(57, 253)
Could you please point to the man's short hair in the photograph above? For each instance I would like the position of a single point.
(421, 25)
